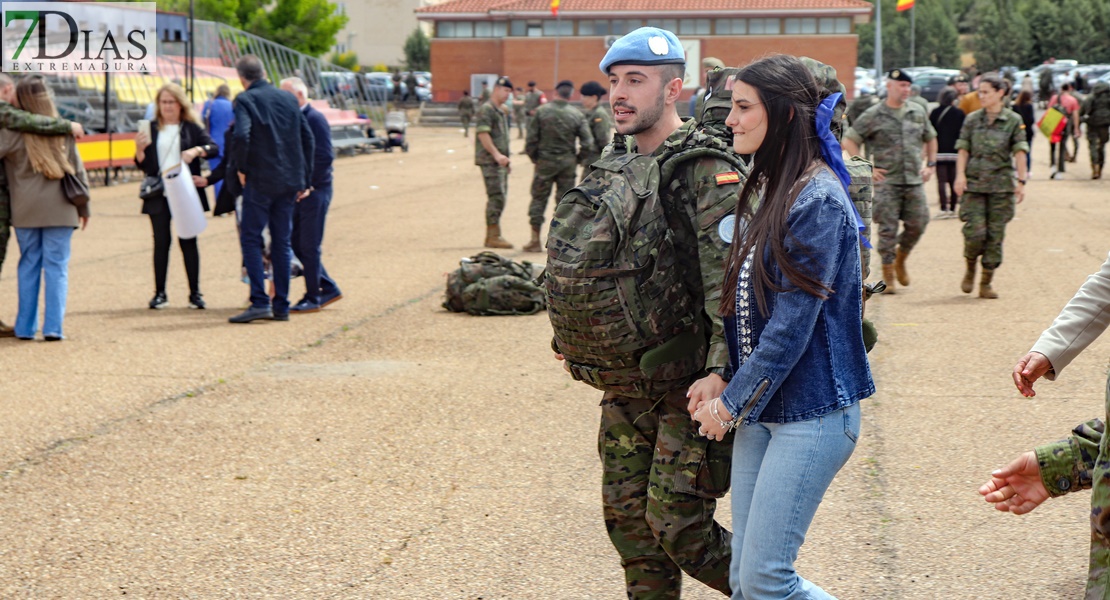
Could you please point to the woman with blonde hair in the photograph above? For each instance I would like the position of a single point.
(176, 135)
(42, 214)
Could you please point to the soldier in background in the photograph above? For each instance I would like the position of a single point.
(533, 99)
(466, 111)
(485, 93)
(897, 133)
(915, 96)
(1081, 461)
(517, 101)
(1096, 114)
(491, 153)
(601, 125)
(19, 120)
(552, 132)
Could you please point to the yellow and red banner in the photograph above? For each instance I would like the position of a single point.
(904, 5)
(554, 8)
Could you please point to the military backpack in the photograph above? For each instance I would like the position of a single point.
(489, 284)
(622, 315)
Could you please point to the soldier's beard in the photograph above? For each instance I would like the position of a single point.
(644, 119)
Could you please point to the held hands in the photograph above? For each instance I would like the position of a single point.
(1016, 488)
(1028, 370)
(199, 181)
(927, 174)
(714, 419)
(301, 195)
(703, 390)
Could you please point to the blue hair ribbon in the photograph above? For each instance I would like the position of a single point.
(830, 151)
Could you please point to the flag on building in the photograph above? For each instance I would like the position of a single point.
(902, 5)
(555, 7)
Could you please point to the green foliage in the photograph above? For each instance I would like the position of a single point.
(936, 43)
(998, 26)
(379, 68)
(418, 51)
(347, 60)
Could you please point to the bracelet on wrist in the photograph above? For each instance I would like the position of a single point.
(727, 425)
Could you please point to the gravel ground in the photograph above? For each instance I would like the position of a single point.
(385, 448)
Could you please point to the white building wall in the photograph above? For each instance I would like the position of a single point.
(377, 29)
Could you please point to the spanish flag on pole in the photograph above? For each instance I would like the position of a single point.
(555, 7)
(902, 5)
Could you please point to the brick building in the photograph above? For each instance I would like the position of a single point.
(474, 39)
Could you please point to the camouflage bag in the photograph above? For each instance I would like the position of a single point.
(622, 315)
(489, 284)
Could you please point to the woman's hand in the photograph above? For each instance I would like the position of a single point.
(141, 142)
(704, 389)
(200, 182)
(961, 185)
(84, 222)
(710, 426)
(190, 155)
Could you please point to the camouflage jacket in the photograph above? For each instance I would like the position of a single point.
(553, 130)
(532, 101)
(1096, 107)
(700, 194)
(1067, 465)
(990, 167)
(896, 139)
(466, 106)
(21, 120)
(492, 121)
(601, 126)
(860, 106)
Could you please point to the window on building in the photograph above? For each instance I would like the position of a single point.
(535, 29)
(464, 29)
(593, 27)
(483, 29)
(518, 28)
(844, 25)
(693, 27)
(445, 29)
(499, 29)
(806, 26)
(558, 27)
(732, 26)
(668, 24)
(764, 26)
(621, 27)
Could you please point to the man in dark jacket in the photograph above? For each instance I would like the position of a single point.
(273, 151)
(311, 212)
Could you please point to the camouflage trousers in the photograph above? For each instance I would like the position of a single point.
(985, 217)
(896, 203)
(557, 174)
(5, 222)
(466, 125)
(660, 483)
(497, 187)
(1097, 136)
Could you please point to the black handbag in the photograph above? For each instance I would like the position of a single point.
(152, 187)
(75, 190)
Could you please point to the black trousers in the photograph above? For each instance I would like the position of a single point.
(160, 223)
(946, 184)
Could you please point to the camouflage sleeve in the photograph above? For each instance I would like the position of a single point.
(532, 139)
(1018, 143)
(484, 122)
(716, 199)
(861, 128)
(602, 131)
(25, 122)
(930, 131)
(1066, 466)
(585, 136)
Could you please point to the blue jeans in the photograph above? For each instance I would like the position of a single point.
(308, 235)
(258, 212)
(780, 472)
(43, 250)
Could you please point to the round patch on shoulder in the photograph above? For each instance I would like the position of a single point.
(727, 228)
(658, 45)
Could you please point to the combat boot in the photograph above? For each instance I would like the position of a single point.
(534, 245)
(969, 277)
(494, 239)
(900, 267)
(888, 278)
(1096, 172)
(985, 290)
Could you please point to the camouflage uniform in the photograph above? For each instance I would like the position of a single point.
(19, 120)
(601, 126)
(1096, 113)
(660, 478)
(895, 138)
(859, 106)
(988, 204)
(532, 101)
(492, 121)
(466, 113)
(550, 145)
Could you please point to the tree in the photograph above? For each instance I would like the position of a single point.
(998, 26)
(936, 38)
(418, 51)
(347, 60)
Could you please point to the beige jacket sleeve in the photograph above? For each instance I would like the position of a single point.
(1084, 318)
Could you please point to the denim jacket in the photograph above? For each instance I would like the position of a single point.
(807, 357)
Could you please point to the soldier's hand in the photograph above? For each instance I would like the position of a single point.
(1028, 370)
(704, 389)
(566, 365)
(927, 174)
(1019, 193)
(961, 185)
(502, 160)
(878, 175)
(1017, 487)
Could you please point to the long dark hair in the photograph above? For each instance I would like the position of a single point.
(780, 166)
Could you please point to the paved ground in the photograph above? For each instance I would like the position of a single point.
(387, 449)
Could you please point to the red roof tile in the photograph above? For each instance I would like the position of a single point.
(643, 6)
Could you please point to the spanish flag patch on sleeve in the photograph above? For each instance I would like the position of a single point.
(727, 178)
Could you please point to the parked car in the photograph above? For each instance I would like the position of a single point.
(931, 84)
(338, 83)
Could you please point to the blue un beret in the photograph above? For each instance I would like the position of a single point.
(645, 46)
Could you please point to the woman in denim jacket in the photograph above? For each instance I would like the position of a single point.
(793, 307)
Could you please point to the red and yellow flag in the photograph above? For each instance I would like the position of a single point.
(902, 5)
(555, 7)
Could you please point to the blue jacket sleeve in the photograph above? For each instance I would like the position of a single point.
(814, 238)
